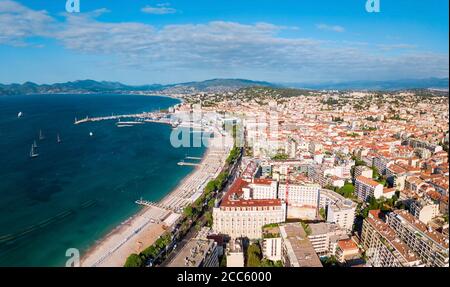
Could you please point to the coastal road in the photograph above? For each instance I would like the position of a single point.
(180, 244)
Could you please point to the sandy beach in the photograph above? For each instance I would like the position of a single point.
(140, 231)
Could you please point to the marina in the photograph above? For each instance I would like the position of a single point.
(147, 117)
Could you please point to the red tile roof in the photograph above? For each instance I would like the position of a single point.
(367, 181)
(236, 190)
(347, 244)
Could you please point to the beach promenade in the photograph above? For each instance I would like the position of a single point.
(140, 231)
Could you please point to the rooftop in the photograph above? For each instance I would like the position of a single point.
(347, 244)
(300, 251)
(192, 254)
(390, 236)
(367, 181)
(233, 197)
(433, 234)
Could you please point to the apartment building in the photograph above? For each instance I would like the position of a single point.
(235, 253)
(362, 170)
(424, 210)
(430, 245)
(383, 248)
(338, 209)
(381, 162)
(302, 199)
(367, 187)
(272, 243)
(324, 237)
(297, 250)
(346, 249)
(197, 253)
(299, 194)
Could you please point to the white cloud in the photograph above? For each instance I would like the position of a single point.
(389, 47)
(218, 46)
(18, 22)
(161, 9)
(333, 28)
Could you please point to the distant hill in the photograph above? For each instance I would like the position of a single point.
(430, 83)
(214, 85)
(91, 86)
(235, 83)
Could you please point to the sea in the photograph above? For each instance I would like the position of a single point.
(78, 190)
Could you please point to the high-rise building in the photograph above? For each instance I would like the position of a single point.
(383, 247)
(339, 209)
(367, 187)
(430, 245)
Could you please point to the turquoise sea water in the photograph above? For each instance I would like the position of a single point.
(77, 191)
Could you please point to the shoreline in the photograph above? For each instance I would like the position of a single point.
(143, 228)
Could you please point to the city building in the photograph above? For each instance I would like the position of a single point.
(362, 170)
(324, 237)
(430, 245)
(197, 253)
(339, 209)
(297, 249)
(239, 216)
(424, 210)
(346, 249)
(382, 246)
(263, 189)
(302, 199)
(235, 253)
(367, 187)
(272, 243)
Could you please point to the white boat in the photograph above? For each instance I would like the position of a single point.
(91, 134)
(58, 139)
(33, 153)
(41, 136)
(129, 123)
(35, 144)
(19, 115)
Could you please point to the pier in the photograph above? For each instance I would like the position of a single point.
(150, 117)
(148, 203)
(193, 157)
(187, 163)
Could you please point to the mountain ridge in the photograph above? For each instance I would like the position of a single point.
(212, 85)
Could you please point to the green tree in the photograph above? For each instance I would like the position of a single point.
(306, 228)
(280, 156)
(134, 260)
(223, 261)
(322, 213)
(209, 218)
(188, 211)
(270, 263)
(253, 255)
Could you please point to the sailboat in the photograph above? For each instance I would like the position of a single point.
(35, 144)
(58, 139)
(33, 153)
(41, 136)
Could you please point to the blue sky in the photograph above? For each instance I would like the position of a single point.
(142, 41)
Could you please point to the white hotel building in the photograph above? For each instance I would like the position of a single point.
(243, 216)
(302, 199)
